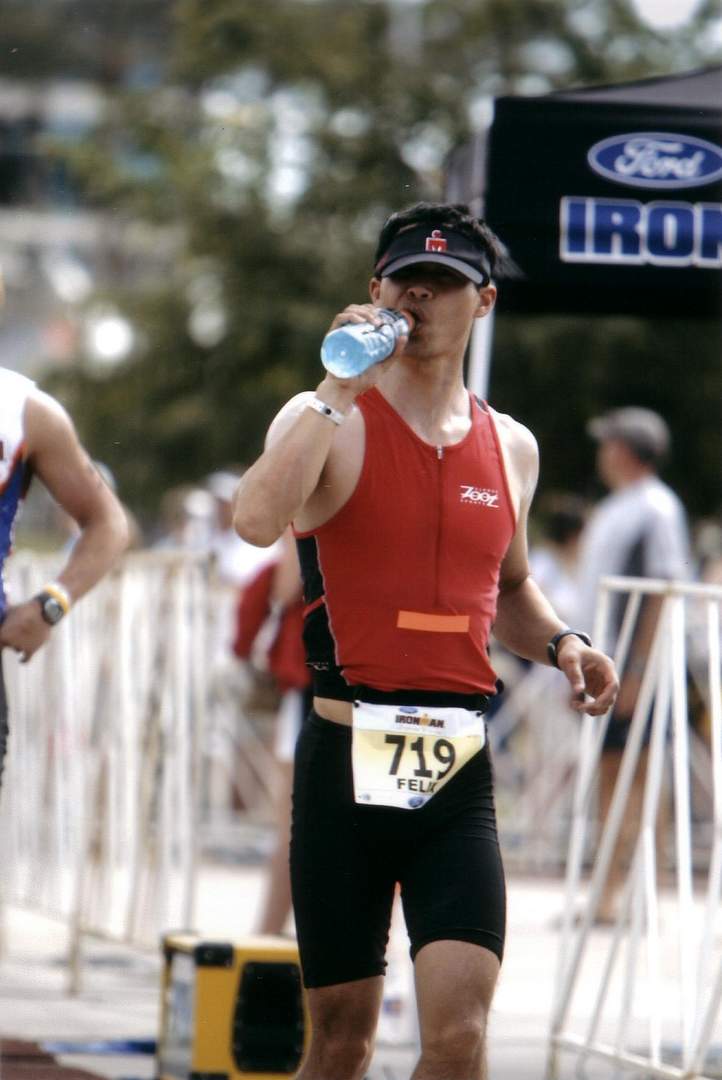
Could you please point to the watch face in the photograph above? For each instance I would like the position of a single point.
(52, 610)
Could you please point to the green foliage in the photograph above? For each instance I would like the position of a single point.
(556, 373)
(364, 99)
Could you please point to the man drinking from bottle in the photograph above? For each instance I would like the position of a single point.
(409, 499)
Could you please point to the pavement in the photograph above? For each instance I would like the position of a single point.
(119, 1000)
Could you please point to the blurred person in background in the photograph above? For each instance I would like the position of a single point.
(234, 565)
(37, 438)
(269, 639)
(186, 520)
(558, 519)
(708, 550)
(237, 704)
(236, 562)
(638, 530)
(554, 558)
(410, 501)
(707, 546)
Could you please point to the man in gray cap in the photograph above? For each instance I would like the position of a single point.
(641, 430)
(638, 530)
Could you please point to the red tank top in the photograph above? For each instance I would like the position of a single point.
(401, 584)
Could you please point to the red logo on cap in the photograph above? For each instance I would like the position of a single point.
(436, 242)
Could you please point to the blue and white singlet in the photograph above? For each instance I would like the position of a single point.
(14, 472)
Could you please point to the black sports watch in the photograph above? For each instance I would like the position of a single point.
(553, 645)
(50, 608)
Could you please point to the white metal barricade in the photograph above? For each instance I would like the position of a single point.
(657, 974)
(113, 775)
(534, 736)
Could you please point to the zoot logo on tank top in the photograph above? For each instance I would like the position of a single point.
(480, 496)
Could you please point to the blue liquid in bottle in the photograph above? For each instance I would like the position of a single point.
(351, 349)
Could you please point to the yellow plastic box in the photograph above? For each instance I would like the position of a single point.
(231, 1010)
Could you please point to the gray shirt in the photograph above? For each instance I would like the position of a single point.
(638, 531)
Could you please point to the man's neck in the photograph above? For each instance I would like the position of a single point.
(430, 396)
(630, 477)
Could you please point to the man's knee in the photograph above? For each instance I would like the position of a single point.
(338, 1055)
(343, 1021)
(458, 1042)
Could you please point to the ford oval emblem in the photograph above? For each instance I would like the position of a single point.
(411, 709)
(651, 159)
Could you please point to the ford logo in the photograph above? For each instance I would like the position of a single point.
(411, 709)
(653, 160)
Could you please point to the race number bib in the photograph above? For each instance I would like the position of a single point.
(403, 754)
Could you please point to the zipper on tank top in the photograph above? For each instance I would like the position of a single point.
(439, 505)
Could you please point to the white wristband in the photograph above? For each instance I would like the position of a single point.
(325, 410)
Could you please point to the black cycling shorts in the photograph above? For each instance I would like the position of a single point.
(346, 859)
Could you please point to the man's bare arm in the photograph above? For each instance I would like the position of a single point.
(63, 466)
(526, 621)
(60, 462)
(276, 488)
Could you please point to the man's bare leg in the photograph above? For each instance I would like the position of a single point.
(343, 1025)
(276, 906)
(455, 984)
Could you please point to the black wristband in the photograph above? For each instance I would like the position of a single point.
(554, 643)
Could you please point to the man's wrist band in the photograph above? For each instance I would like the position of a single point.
(54, 602)
(325, 410)
(59, 593)
(553, 645)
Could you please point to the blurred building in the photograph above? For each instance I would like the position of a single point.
(55, 251)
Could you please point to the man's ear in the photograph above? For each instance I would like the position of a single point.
(374, 288)
(487, 299)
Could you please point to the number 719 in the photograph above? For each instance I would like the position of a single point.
(442, 750)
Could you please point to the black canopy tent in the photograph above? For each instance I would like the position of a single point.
(609, 198)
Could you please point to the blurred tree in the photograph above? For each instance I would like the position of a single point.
(278, 140)
(81, 39)
(556, 373)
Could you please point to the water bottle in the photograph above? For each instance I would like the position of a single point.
(350, 349)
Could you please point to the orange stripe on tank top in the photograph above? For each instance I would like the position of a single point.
(436, 624)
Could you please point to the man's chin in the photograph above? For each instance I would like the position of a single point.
(418, 346)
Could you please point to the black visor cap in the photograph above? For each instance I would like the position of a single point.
(445, 246)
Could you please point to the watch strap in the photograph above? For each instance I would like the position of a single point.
(553, 645)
